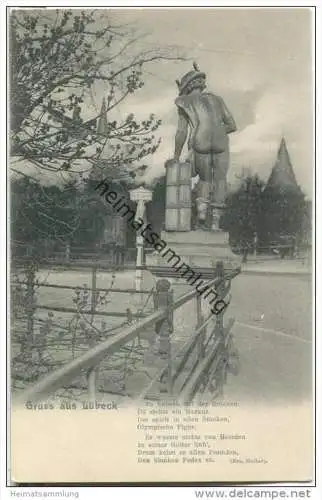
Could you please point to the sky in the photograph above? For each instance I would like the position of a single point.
(258, 60)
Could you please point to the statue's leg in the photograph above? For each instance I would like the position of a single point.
(204, 187)
(220, 171)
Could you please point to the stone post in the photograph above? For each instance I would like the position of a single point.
(141, 196)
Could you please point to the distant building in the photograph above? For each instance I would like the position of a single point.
(279, 226)
(282, 175)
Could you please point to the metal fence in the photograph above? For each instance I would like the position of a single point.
(45, 335)
(105, 365)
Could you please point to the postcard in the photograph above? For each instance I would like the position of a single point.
(162, 265)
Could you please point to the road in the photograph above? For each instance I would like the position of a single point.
(273, 332)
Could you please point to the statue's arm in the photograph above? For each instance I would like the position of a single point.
(228, 118)
(181, 135)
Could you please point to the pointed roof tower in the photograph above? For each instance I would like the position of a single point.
(102, 126)
(282, 175)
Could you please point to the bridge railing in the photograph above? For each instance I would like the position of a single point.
(161, 323)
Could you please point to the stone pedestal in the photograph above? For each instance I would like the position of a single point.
(197, 248)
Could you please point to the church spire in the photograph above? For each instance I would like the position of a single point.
(282, 174)
(102, 126)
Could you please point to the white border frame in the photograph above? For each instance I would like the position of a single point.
(161, 492)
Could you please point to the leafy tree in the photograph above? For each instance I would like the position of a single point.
(56, 59)
(306, 230)
(42, 214)
(47, 217)
(242, 215)
(283, 214)
(274, 214)
(95, 214)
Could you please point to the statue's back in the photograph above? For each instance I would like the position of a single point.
(205, 115)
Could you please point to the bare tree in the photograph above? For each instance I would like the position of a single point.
(56, 58)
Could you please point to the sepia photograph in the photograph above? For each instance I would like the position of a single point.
(161, 259)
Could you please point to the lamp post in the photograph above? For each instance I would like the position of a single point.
(141, 196)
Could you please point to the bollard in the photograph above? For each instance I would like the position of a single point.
(163, 299)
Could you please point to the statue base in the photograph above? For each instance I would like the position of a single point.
(197, 248)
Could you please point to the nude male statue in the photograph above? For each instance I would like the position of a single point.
(209, 122)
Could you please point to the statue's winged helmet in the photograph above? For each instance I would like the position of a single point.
(189, 77)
